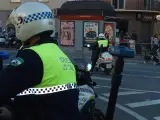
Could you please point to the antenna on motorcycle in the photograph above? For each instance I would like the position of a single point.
(120, 52)
(3, 56)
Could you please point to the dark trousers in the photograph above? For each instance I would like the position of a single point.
(94, 58)
(56, 106)
(95, 55)
(94, 61)
(155, 48)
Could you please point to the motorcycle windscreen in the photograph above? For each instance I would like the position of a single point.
(106, 56)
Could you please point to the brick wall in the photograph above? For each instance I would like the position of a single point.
(135, 4)
(108, 1)
(132, 4)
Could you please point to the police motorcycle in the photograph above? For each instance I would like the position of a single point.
(5, 108)
(120, 52)
(2, 38)
(87, 108)
(2, 41)
(104, 62)
(87, 95)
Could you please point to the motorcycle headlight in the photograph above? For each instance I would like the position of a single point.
(88, 45)
(88, 67)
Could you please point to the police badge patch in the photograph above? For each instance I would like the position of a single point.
(17, 61)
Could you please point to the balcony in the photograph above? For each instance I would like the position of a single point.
(153, 5)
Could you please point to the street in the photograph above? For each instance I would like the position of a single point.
(139, 94)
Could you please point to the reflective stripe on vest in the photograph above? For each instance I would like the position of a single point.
(58, 70)
(102, 42)
(48, 90)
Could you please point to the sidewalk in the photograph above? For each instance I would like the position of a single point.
(87, 56)
(136, 57)
(8, 49)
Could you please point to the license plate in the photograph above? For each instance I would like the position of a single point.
(108, 66)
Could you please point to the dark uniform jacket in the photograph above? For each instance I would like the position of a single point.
(22, 75)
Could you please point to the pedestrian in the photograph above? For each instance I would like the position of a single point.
(134, 35)
(152, 42)
(155, 43)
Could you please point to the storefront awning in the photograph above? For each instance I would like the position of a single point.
(96, 5)
(115, 18)
(142, 11)
(87, 7)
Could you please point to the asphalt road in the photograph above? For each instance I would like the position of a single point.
(139, 94)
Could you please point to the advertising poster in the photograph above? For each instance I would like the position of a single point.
(67, 34)
(90, 32)
(109, 29)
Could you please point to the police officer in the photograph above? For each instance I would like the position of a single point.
(103, 42)
(41, 78)
(98, 47)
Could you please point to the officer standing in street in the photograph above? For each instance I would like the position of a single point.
(41, 79)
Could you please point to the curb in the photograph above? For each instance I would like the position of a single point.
(8, 49)
(86, 56)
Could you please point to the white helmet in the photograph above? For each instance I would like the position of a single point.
(101, 35)
(30, 19)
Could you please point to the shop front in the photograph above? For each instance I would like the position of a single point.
(80, 26)
(139, 22)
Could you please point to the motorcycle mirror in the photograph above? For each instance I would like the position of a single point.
(88, 45)
(88, 67)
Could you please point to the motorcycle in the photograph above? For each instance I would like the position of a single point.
(87, 95)
(2, 41)
(13, 42)
(104, 62)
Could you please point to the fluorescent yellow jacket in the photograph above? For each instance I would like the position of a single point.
(59, 72)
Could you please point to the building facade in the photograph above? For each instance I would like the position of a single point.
(6, 6)
(139, 16)
(11, 4)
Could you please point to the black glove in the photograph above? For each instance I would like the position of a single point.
(5, 114)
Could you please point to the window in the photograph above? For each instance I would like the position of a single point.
(118, 4)
(15, 1)
(43, 0)
(147, 4)
(114, 3)
(121, 4)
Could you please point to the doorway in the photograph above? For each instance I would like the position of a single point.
(122, 25)
(145, 31)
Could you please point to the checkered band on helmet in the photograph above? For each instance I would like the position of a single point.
(38, 16)
(48, 90)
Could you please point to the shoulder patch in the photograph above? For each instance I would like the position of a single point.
(17, 61)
